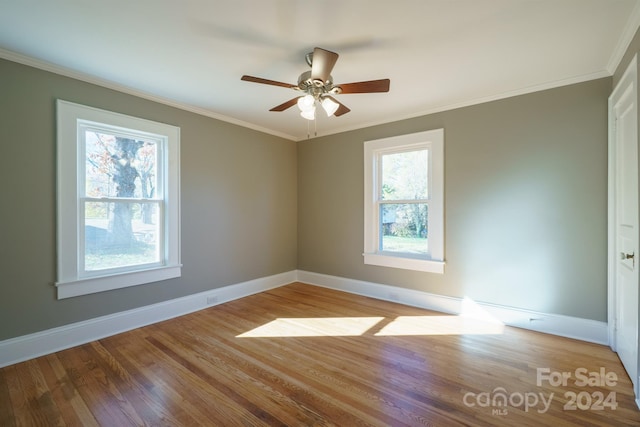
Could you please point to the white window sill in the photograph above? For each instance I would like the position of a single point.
(384, 260)
(77, 287)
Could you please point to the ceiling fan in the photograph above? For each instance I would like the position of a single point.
(318, 87)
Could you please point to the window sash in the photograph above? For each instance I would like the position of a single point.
(381, 200)
(160, 141)
(433, 260)
(162, 255)
(381, 153)
(84, 127)
(415, 242)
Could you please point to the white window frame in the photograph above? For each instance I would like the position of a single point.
(433, 261)
(72, 280)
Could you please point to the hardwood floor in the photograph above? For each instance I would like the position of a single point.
(301, 355)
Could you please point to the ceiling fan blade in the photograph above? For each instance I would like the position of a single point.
(365, 87)
(285, 105)
(267, 81)
(342, 109)
(322, 64)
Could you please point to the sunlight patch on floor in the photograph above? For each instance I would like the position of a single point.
(440, 325)
(314, 327)
(473, 320)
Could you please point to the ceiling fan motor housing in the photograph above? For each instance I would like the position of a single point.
(316, 87)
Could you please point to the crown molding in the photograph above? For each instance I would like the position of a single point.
(67, 72)
(476, 101)
(629, 31)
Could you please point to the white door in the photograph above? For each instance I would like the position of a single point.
(624, 155)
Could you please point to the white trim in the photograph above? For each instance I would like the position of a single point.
(555, 324)
(611, 212)
(383, 260)
(90, 285)
(72, 279)
(27, 347)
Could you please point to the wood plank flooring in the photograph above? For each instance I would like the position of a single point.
(302, 355)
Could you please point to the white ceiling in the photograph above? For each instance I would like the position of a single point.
(439, 54)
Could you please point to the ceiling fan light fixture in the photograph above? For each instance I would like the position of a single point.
(309, 114)
(330, 106)
(306, 103)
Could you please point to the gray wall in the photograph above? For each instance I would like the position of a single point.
(238, 191)
(525, 202)
(525, 199)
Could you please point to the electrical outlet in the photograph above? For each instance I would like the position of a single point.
(212, 299)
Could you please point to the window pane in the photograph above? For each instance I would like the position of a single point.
(120, 234)
(404, 228)
(404, 175)
(120, 166)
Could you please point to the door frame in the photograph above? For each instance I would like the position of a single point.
(629, 79)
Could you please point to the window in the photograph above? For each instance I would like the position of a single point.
(404, 210)
(118, 200)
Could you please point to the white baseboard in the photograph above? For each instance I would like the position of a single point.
(27, 347)
(566, 326)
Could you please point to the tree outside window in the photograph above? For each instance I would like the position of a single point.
(121, 178)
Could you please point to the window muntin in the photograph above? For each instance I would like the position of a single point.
(118, 200)
(404, 212)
